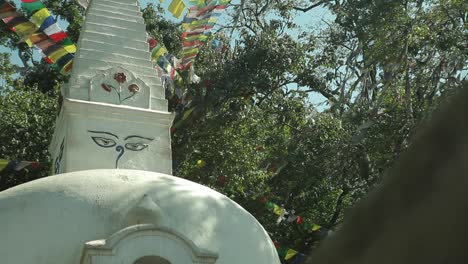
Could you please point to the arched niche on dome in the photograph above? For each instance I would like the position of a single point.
(151, 260)
(146, 244)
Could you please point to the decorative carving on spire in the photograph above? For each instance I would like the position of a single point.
(118, 86)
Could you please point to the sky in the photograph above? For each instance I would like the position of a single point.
(311, 19)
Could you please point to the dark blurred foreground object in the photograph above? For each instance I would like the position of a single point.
(419, 215)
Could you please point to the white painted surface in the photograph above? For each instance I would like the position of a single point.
(114, 36)
(47, 221)
(106, 136)
(139, 241)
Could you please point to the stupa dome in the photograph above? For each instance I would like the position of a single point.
(65, 218)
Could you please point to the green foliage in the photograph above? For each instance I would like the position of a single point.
(27, 118)
(161, 29)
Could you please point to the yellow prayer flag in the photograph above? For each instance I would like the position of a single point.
(191, 51)
(277, 210)
(185, 25)
(70, 48)
(25, 29)
(158, 53)
(290, 254)
(56, 55)
(177, 8)
(315, 227)
(29, 42)
(39, 17)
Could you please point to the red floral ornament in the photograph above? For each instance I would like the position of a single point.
(133, 88)
(120, 77)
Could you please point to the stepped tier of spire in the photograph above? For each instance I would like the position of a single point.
(114, 37)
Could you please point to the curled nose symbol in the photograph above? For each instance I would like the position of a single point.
(121, 150)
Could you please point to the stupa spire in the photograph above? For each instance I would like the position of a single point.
(114, 35)
(114, 113)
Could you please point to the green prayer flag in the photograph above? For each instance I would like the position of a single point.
(282, 251)
(32, 6)
(66, 42)
(269, 205)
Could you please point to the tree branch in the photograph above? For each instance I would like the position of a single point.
(338, 207)
(306, 9)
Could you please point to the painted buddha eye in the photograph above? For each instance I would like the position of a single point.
(136, 146)
(104, 142)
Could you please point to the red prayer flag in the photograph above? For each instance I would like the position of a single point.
(152, 43)
(192, 43)
(299, 220)
(58, 36)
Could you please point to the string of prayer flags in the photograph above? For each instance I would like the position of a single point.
(177, 8)
(16, 21)
(214, 16)
(7, 166)
(55, 54)
(290, 255)
(160, 55)
(157, 50)
(43, 19)
(61, 60)
(166, 65)
(213, 10)
(192, 37)
(291, 217)
(200, 18)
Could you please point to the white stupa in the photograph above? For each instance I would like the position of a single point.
(112, 198)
